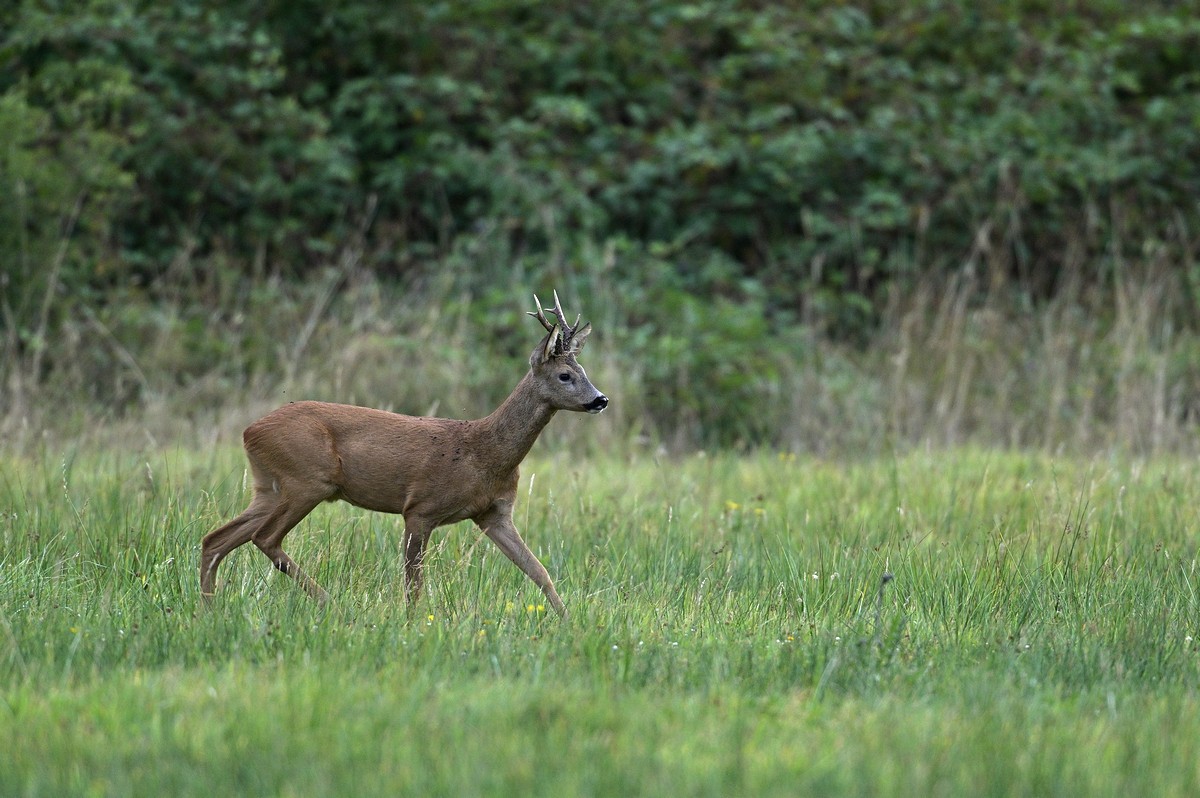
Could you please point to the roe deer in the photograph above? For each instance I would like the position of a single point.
(433, 471)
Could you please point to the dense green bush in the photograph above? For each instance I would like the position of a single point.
(816, 145)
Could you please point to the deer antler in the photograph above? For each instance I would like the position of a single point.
(540, 316)
(567, 331)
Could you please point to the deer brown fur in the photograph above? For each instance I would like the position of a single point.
(433, 471)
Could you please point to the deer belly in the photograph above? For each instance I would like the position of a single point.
(367, 501)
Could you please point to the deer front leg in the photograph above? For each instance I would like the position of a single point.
(416, 535)
(498, 525)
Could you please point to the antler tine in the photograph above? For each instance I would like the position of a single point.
(567, 329)
(540, 316)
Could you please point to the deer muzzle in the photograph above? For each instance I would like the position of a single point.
(597, 404)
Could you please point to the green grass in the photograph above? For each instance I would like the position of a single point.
(730, 634)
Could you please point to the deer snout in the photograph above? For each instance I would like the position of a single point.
(597, 404)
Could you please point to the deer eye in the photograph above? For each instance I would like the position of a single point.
(564, 377)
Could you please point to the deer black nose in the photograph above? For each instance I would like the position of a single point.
(597, 404)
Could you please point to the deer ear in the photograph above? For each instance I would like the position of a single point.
(552, 344)
(546, 349)
(578, 339)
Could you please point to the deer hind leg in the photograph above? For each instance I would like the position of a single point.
(269, 540)
(499, 527)
(217, 544)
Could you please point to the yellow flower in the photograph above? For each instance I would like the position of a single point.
(730, 506)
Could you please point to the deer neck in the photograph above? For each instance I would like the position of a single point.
(509, 432)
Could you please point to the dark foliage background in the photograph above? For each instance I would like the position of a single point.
(196, 194)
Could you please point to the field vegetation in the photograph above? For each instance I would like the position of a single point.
(733, 630)
(897, 306)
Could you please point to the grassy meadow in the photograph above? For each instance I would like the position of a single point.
(946, 623)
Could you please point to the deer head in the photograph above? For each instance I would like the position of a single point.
(565, 385)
